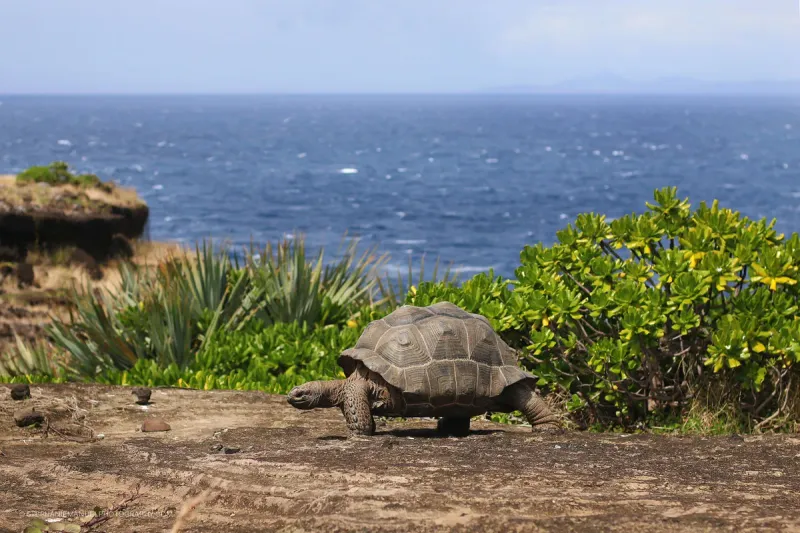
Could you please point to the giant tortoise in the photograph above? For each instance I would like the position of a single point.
(436, 361)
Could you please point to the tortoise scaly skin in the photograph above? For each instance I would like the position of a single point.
(436, 361)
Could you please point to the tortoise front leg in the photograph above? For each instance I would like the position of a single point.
(523, 398)
(356, 408)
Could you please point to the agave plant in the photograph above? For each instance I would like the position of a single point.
(393, 292)
(25, 359)
(292, 288)
(166, 315)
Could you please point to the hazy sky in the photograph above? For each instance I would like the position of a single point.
(385, 45)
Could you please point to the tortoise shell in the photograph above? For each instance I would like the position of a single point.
(437, 356)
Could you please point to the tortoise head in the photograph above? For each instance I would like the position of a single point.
(313, 394)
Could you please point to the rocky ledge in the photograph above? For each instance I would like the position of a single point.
(91, 218)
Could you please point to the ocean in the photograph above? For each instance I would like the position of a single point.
(469, 179)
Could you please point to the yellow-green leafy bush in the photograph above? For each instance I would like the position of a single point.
(653, 314)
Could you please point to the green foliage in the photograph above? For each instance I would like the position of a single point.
(293, 289)
(23, 360)
(674, 318)
(395, 291)
(274, 359)
(170, 325)
(652, 313)
(58, 173)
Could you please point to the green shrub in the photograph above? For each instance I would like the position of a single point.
(272, 359)
(654, 315)
(33, 361)
(169, 318)
(293, 289)
(58, 173)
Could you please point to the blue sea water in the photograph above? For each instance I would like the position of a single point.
(469, 179)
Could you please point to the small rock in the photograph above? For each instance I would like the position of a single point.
(154, 424)
(219, 448)
(20, 391)
(142, 395)
(28, 417)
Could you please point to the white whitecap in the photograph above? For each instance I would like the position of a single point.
(388, 176)
(744, 157)
(563, 216)
(137, 168)
(378, 149)
(301, 155)
(162, 144)
(596, 152)
(158, 187)
(468, 268)
(430, 160)
(402, 169)
(548, 149)
(167, 219)
(410, 241)
(348, 171)
(786, 165)
(787, 126)
(400, 214)
(491, 160)
(64, 142)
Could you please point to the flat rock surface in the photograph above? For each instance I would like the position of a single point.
(295, 471)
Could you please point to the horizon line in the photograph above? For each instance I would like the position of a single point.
(488, 92)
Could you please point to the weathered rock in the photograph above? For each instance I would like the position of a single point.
(88, 262)
(20, 391)
(28, 417)
(9, 254)
(25, 274)
(142, 395)
(120, 247)
(154, 424)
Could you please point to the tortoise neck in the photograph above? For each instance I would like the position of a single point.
(331, 393)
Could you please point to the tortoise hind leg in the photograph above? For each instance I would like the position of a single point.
(455, 426)
(523, 398)
(356, 408)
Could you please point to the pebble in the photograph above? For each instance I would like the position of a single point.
(154, 424)
(142, 395)
(20, 391)
(28, 417)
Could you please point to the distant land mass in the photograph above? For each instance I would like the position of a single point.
(614, 84)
